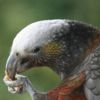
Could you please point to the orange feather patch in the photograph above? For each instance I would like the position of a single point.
(52, 49)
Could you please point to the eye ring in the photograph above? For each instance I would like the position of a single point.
(36, 50)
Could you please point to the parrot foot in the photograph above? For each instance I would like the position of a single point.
(22, 84)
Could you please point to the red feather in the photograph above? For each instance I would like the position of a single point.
(66, 91)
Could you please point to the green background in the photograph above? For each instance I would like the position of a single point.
(16, 14)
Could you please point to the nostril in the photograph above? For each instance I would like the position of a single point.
(17, 54)
(24, 61)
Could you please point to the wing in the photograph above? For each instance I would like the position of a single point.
(92, 85)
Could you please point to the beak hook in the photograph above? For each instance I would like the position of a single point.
(11, 69)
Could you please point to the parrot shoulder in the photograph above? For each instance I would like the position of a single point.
(92, 84)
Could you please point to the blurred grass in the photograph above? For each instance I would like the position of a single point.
(16, 14)
(45, 81)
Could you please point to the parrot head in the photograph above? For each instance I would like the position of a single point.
(35, 45)
(58, 44)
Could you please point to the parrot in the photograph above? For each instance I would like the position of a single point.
(70, 48)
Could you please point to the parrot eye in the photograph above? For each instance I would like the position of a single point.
(37, 49)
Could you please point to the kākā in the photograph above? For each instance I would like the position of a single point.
(70, 48)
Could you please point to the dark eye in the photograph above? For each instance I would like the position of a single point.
(37, 49)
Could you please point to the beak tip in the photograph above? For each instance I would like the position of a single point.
(10, 72)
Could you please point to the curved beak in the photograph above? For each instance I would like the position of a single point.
(17, 65)
(11, 67)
